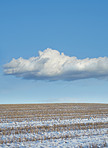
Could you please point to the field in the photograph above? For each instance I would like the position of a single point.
(54, 125)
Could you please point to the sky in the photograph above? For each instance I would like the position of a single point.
(53, 51)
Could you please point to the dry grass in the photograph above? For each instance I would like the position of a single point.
(44, 112)
(19, 112)
(43, 128)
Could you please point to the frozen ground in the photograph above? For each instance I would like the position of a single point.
(54, 126)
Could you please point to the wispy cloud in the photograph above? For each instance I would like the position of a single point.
(51, 65)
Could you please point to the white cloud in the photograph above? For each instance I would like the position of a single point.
(51, 65)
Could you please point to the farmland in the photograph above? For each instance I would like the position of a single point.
(54, 125)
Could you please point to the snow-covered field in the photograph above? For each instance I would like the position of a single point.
(54, 125)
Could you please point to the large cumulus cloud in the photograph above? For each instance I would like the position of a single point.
(51, 65)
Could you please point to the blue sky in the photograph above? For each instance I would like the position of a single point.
(76, 28)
